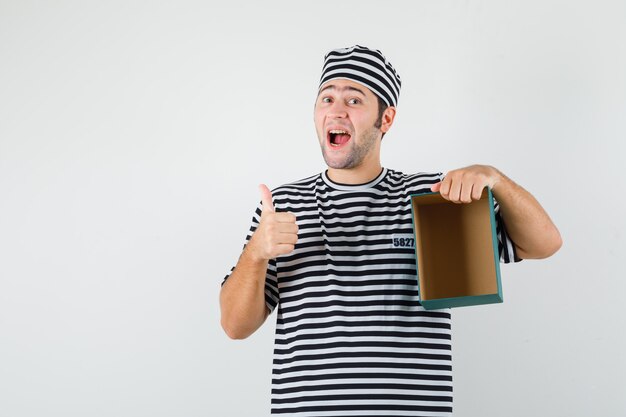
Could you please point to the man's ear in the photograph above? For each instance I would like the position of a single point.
(387, 120)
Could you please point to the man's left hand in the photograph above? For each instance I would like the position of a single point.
(465, 185)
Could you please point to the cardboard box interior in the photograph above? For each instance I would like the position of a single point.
(454, 247)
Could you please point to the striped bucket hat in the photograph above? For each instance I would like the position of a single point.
(365, 66)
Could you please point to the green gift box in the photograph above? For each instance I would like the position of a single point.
(456, 248)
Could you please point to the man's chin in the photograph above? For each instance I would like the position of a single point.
(338, 163)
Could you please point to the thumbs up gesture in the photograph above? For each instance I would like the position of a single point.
(277, 233)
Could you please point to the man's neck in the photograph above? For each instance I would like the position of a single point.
(357, 175)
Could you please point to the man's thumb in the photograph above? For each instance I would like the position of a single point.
(266, 198)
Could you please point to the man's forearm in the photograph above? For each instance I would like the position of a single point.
(527, 223)
(242, 298)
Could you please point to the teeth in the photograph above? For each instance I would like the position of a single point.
(338, 132)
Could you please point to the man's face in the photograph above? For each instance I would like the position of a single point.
(345, 114)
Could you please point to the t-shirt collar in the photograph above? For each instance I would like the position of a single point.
(353, 187)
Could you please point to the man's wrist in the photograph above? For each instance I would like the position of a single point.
(498, 179)
(252, 252)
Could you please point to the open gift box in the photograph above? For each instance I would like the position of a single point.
(456, 246)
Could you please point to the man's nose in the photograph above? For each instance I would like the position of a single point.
(338, 110)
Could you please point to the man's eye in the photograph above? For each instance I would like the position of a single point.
(353, 101)
(326, 100)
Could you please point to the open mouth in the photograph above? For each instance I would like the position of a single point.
(338, 137)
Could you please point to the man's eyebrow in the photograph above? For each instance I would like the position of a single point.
(347, 87)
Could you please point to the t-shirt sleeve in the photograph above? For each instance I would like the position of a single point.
(506, 247)
(271, 282)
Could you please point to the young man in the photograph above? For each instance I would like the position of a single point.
(351, 337)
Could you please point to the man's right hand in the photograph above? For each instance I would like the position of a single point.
(277, 233)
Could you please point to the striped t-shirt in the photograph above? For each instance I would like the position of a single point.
(351, 336)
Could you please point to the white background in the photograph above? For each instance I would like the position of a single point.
(133, 136)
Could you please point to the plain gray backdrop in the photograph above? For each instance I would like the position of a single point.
(133, 136)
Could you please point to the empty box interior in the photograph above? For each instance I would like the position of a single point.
(454, 247)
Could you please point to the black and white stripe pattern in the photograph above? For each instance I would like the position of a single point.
(351, 336)
(365, 66)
